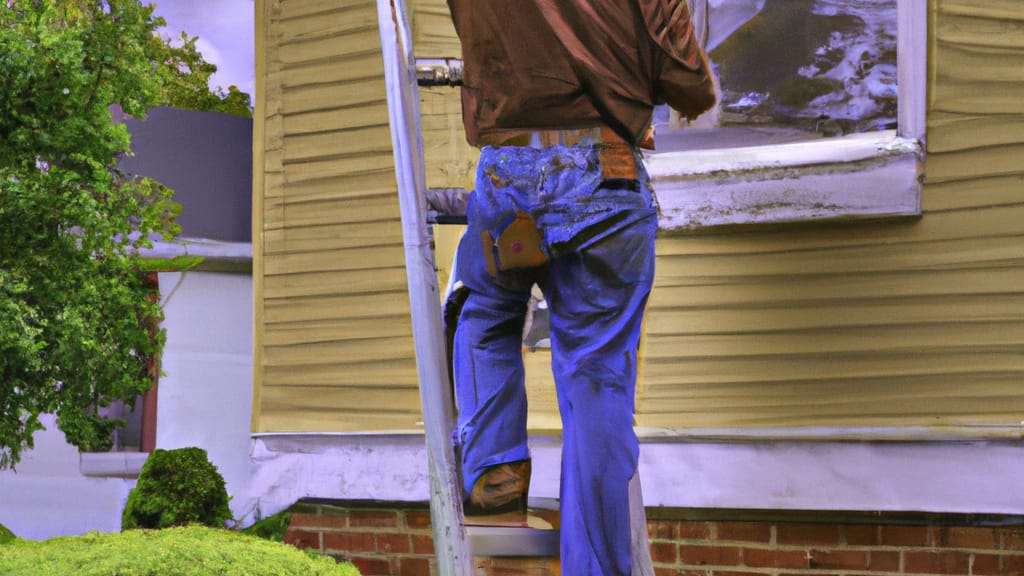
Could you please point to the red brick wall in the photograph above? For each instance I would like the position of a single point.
(381, 541)
(788, 549)
(385, 539)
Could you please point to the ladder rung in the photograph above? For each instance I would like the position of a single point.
(446, 205)
(512, 541)
(435, 218)
(538, 538)
(439, 72)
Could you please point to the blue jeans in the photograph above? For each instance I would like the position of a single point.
(598, 235)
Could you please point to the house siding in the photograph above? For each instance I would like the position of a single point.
(334, 338)
(898, 324)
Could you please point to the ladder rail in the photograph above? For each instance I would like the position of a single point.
(450, 539)
(640, 546)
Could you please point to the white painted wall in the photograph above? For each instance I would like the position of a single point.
(204, 400)
(48, 496)
(205, 396)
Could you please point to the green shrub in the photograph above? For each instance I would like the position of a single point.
(181, 551)
(177, 488)
(271, 528)
(6, 535)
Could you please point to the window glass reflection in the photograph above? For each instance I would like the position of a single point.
(792, 70)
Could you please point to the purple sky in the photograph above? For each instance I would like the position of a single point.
(225, 31)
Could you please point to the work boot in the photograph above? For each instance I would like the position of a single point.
(502, 489)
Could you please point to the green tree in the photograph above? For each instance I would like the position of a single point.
(185, 77)
(77, 323)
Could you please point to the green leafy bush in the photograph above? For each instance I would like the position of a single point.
(177, 488)
(181, 551)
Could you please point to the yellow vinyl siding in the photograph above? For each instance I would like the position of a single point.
(335, 344)
(914, 323)
(891, 324)
(433, 33)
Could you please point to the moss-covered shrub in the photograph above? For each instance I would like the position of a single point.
(177, 488)
(182, 551)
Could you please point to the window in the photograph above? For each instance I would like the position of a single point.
(812, 132)
(131, 436)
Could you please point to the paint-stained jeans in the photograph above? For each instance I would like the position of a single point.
(599, 237)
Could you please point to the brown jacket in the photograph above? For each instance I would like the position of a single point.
(549, 64)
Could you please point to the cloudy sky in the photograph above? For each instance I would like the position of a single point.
(225, 31)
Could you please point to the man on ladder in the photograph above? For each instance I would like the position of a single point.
(559, 95)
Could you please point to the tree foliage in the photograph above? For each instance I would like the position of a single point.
(77, 323)
(186, 78)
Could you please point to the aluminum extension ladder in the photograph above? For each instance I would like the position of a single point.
(454, 543)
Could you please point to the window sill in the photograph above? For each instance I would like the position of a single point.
(112, 464)
(862, 176)
(212, 255)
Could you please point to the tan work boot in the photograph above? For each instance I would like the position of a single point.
(501, 490)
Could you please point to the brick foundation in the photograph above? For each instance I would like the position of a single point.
(394, 539)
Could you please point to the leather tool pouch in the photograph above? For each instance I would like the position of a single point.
(517, 245)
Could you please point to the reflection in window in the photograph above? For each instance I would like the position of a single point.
(792, 70)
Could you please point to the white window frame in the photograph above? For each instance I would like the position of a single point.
(871, 175)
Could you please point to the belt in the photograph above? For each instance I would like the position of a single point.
(565, 137)
(618, 160)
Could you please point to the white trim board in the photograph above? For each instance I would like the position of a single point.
(112, 464)
(213, 250)
(978, 477)
(873, 175)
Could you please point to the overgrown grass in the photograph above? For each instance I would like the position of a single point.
(181, 551)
